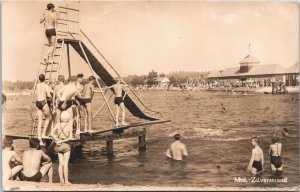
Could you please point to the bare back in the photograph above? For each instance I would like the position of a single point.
(258, 153)
(67, 92)
(276, 149)
(42, 91)
(178, 150)
(50, 19)
(88, 91)
(32, 161)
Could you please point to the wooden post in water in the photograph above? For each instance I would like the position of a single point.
(142, 141)
(109, 146)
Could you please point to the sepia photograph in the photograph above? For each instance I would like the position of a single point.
(150, 95)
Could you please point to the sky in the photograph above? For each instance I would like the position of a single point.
(139, 36)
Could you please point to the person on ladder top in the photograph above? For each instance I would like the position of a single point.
(49, 18)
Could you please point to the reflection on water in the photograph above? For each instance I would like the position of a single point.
(218, 143)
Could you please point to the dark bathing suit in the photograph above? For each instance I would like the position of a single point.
(50, 32)
(69, 104)
(40, 104)
(118, 100)
(276, 160)
(36, 178)
(73, 101)
(257, 165)
(83, 101)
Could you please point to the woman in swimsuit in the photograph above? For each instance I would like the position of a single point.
(49, 19)
(257, 159)
(275, 153)
(61, 135)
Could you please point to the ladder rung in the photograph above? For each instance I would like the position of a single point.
(51, 71)
(62, 34)
(54, 63)
(68, 20)
(62, 31)
(62, 12)
(56, 55)
(68, 8)
(55, 47)
(61, 23)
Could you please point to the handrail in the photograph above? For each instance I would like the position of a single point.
(117, 73)
(67, 20)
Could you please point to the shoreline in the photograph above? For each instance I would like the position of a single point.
(42, 186)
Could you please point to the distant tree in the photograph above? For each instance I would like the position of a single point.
(151, 77)
(162, 75)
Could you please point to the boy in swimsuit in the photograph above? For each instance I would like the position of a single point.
(275, 153)
(42, 92)
(76, 103)
(86, 102)
(61, 135)
(65, 95)
(257, 159)
(119, 100)
(49, 18)
(9, 156)
(177, 149)
(36, 164)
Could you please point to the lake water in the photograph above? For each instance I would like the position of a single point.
(218, 143)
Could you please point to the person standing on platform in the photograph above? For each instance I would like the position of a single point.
(49, 18)
(119, 100)
(42, 92)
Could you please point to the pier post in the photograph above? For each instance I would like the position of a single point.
(109, 146)
(142, 141)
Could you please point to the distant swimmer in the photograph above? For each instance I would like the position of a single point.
(275, 153)
(223, 108)
(295, 99)
(61, 135)
(177, 149)
(189, 97)
(257, 159)
(42, 93)
(49, 18)
(285, 132)
(119, 100)
(36, 164)
(9, 156)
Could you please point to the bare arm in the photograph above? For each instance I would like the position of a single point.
(46, 158)
(251, 161)
(42, 19)
(18, 159)
(262, 158)
(184, 151)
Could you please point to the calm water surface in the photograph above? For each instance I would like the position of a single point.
(218, 143)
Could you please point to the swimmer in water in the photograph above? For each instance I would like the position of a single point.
(285, 132)
(177, 149)
(223, 108)
(275, 153)
(257, 159)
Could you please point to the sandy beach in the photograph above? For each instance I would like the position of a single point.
(32, 186)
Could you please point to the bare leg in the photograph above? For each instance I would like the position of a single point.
(122, 106)
(89, 115)
(16, 170)
(51, 48)
(117, 115)
(61, 167)
(47, 114)
(47, 168)
(40, 121)
(77, 121)
(66, 166)
(85, 118)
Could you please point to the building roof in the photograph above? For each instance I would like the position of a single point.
(270, 69)
(249, 59)
(294, 68)
(162, 79)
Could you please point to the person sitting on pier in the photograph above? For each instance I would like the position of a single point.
(42, 92)
(119, 100)
(275, 153)
(65, 95)
(49, 18)
(86, 102)
(9, 156)
(177, 149)
(257, 159)
(36, 164)
(61, 135)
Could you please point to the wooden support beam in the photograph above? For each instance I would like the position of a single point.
(142, 142)
(109, 146)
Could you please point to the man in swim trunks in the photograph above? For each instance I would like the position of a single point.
(177, 149)
(257, 159)
(49, 18)
(36, 164)
(61, 135)
(86, 102)
(9, 156)
(275, 153)
(42, 92)
(77, 103)
(65, 95)
(119, 100)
